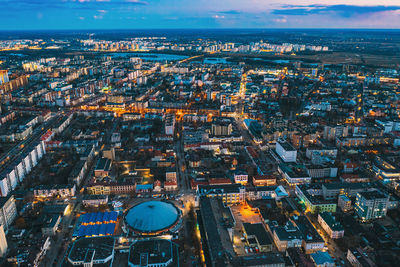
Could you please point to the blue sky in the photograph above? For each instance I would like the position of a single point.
(140, 14)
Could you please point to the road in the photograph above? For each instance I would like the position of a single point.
(329, 242)
(23, 145)
(63, 236)
(183, 179)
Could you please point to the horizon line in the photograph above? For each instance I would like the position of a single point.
(167, 29)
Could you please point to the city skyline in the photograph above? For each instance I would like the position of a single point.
(172, 133)
(199, 147)
(178, 14)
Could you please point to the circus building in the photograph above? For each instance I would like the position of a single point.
(153, 218)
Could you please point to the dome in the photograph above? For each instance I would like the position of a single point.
(152, 217)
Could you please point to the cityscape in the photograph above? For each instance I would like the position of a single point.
(200, 145)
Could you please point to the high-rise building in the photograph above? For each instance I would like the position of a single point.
(169, 124)
(371, 205)
(221, 126)
(331, 132)
(4, 76)
(3, 242)
(8, 211)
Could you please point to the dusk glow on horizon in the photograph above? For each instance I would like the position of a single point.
(141, 14)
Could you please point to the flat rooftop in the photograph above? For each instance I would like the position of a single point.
(156, 251)
(286, 145)
(103, 247)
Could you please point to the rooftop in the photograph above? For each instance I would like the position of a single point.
(152, 216)
(371, 195)
(331, 221)
(286, 145)
(102, 246)
(156, 251)
(266, 259)
(322, 258)
(258, 230)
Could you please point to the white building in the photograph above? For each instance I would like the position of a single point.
(371, 205)
(4, 189)
(8, 211)
(3, 242)
(63, 191)
(241, 177)
(169, 124)
(92, 251)
(333, 228)
(286, 151)
(51, 225)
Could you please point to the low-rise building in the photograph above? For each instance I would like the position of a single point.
(311, 239)
(240, 177)
(264, 180)
(344, 202)
(311, 197)
(78, 172)
(229, 193)
(287, 236)
(103, 167)
(358, 258)
(322, 259)
(331, 191)
(62, 191)
(265, 260)
(257, 236)
(155, 252)
(385, 169)
(294, 173)
(90, 251)
(110, 187)
(332, 227)
(286, 151)
(94, 200)
(50, 224)
(266, 192)
(216, 236)
(170, 185)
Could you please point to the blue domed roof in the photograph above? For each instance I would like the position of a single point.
(152, 216)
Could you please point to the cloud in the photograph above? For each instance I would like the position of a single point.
(340, 10)
(282, 20)
(138, 2)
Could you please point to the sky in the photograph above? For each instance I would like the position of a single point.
(179, 14)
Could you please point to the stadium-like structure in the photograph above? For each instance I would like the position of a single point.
(153, 218)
